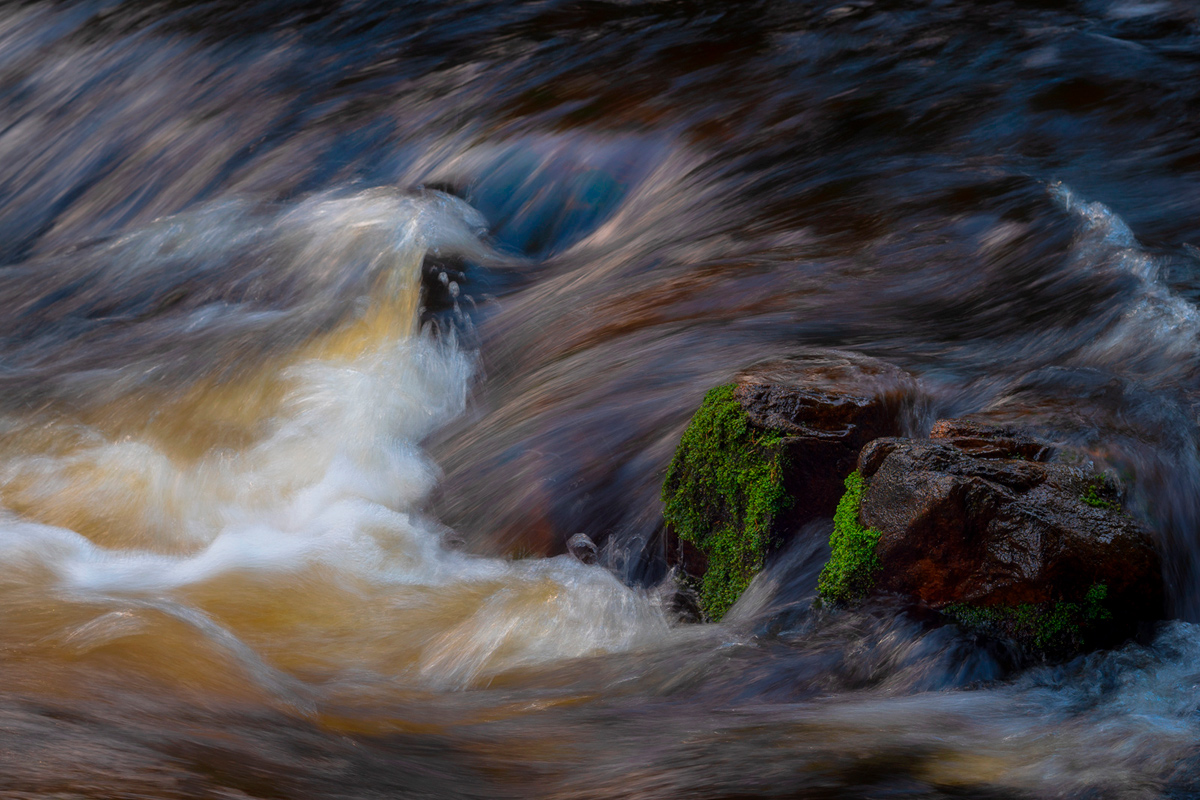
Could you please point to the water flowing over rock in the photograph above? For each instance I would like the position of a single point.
(583, 548)
(993, 527)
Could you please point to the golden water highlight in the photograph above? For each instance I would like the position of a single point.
(262, 526)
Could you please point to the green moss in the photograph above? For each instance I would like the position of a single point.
(723, 492)
(1053, 629)
(852, 566)
(1092, 494)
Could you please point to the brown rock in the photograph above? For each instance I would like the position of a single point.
(965, 518)
(983, 440)
(827, 405)
(817, 410)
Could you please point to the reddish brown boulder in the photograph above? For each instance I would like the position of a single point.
(826, 405)
(975, 520)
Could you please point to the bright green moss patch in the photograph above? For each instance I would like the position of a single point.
(723, 492)
(852, 566)
(1093, 497)
(1055, 629)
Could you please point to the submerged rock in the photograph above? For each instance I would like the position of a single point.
(678, 598)
(583, 548)
(766, 454)
(978, 523)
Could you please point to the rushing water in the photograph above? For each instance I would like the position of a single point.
(323, 326)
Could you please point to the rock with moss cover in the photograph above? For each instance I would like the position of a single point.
(980, 523)
(768, 453)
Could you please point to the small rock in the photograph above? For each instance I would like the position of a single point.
(582, 547)
(451, 539)
(679, 601)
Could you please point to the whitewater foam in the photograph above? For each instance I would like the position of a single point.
(291, 526)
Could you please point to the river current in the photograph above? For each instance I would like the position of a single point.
(322, 326)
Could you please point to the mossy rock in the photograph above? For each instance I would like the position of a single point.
(982, 524)
(723, 493)
(767, 454)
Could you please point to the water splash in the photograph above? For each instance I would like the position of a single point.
(275, 508)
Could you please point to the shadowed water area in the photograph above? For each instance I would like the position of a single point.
(323, 326)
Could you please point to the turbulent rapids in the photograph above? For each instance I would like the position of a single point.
(255, 522)
(324, 325)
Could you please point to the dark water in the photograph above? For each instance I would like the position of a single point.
(316, 314)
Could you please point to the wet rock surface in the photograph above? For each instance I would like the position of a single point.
(768, 454)
(1145, 433)
(984, 440)
(978, 522)
(826, 406)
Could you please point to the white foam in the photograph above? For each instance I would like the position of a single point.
(1157, 326)
(329, 495)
